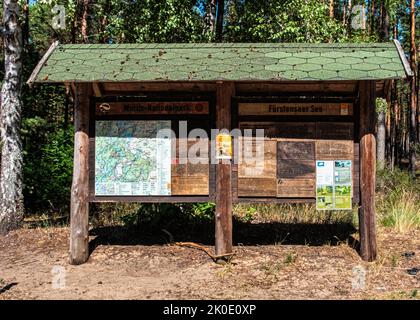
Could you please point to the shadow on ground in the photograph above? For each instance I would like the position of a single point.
(249, 234)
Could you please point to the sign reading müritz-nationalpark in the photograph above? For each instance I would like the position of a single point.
(153, 107)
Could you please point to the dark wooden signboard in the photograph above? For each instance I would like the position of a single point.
(335, 130)
(296, 169)
(295, 108)
(152, 107)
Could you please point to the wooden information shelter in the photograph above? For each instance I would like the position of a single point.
(315, 102)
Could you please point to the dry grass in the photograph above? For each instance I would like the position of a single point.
(292, 213)
(400, 212)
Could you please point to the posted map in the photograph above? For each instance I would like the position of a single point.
(130, 159)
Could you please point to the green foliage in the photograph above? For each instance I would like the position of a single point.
(47, 173)
(284, 21)
(147, 21)
(203, 210)
(163, 215)
(245, 213)
(48, 147)
(381, 105)
(290, 258)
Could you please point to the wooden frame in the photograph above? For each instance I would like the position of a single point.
(354, 119)
(223, 97)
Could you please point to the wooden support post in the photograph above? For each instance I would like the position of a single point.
(367, 215)
(223, 218)
(79, 206)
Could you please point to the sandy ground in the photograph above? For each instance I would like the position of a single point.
(33, 265)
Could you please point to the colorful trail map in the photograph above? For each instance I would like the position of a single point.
(131, 159)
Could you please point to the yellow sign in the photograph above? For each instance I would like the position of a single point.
(223, 146)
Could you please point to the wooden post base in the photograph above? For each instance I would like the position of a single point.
(79, 206)
(367, 213)
(223, 215)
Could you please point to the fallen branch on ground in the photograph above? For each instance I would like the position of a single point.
(215, 258)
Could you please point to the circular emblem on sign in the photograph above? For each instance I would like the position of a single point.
(199, 107)
(104, 107)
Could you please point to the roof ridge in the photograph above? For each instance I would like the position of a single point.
(229, 45)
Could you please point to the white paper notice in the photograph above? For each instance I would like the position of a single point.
(325, 173)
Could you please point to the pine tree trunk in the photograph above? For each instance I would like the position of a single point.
(85, 21)
(413, 94)
(331, 7)
(25, 28)
(395, 31)
(104, 22)
(344, 13)
(393, 119)
(418, 93)
(219, 24)
(372, 17)
(11, 198)
(385, 24)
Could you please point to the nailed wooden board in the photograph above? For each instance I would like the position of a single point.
(300, 130)
(249, 165)
(190, 176)
(295, 108)
(334, 149)
(335, 130)
(295, 169)
(270, 128)
(257, 187)
(193, 148)
(296, 188)
(302, 150)
(189, 185)
(152, 107)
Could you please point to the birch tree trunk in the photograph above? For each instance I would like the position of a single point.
(380, 138)
(11, 198)
(210, 16)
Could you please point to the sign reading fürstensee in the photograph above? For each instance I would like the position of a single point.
(153, 107)
(301, 108)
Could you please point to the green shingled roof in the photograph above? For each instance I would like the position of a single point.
(224, 61)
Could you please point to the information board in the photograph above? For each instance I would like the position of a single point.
(131, 158)
(333, 185)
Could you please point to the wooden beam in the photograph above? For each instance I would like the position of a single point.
(41, 63)
(223, 218)
(367, 215)
(403, 58)
(97, 91)
(79, 205)
(332, 87)
(136, 88)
